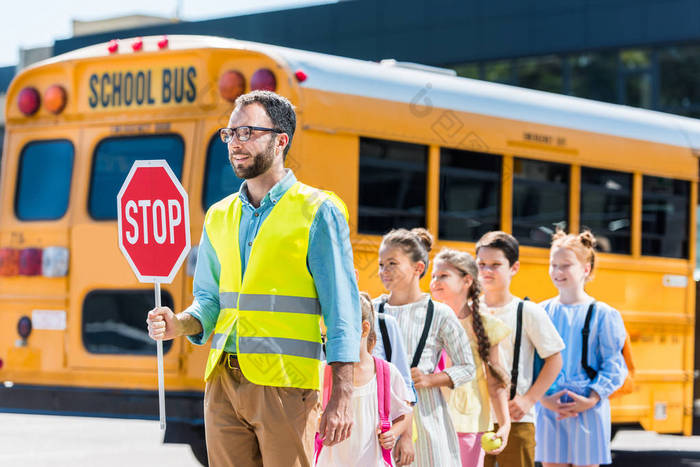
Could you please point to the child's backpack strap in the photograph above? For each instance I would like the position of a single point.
(516, 350)
(585, 332)
(384, 333)
(384, 401)
(327, 385)
(424, 335)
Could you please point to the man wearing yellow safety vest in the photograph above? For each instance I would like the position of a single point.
(273, 259)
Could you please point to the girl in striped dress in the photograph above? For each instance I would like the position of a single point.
(573, 419)
(403, 260)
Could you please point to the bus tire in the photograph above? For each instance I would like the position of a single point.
(188, 433)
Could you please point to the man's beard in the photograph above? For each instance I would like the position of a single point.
(261, 163)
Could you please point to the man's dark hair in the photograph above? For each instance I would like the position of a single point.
(277, 107)
(501, 241)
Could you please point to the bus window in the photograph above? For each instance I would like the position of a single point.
(113, 160)
(219, 178)
(392, 185)
(114, 322)
(606, 208)
(665, 228)
(43, 181)
(540, 200)
(469, 194)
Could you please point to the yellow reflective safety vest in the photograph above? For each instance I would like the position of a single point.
(274, 308)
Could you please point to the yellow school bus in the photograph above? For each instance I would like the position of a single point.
(404, 145)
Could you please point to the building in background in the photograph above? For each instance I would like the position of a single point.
(644, 53)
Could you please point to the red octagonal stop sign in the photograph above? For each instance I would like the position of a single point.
(154, 221)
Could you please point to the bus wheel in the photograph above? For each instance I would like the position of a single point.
(188, 433)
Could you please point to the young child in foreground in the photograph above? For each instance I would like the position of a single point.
(367, 443)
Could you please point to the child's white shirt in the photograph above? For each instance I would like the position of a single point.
(362, 447)
(538, 334)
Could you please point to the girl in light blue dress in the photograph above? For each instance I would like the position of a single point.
(573, 419)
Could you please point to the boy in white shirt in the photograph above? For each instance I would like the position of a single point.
(497, 256)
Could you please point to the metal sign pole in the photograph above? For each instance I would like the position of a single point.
(161, 383)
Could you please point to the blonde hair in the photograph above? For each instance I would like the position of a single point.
(368, 315)
(415, 243)
(583, 245)
(464, 263)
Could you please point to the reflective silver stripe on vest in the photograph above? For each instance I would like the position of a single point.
(279, 303)
(218, 341)
(228, 299)
(279, 346)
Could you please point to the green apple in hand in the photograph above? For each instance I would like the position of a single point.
(490, 442)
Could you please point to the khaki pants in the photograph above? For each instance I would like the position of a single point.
(251, 425)
(520, 450)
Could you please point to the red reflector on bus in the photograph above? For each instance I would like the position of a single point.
(55, 99)
(300, 75)
(30, 261)
(28, 101)
(163, 43)
(231, 85)
(137, 45)
(1, 363)
(9, 262)
(264, 80)
(113, 46)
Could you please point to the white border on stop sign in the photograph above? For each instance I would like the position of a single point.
(186, 217)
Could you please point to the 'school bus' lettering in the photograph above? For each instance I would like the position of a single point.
(142, 88)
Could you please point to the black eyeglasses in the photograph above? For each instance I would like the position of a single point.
(242, 132)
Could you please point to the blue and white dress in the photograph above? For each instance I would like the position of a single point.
(584, 439)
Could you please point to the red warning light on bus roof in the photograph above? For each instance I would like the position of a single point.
(264, 80)
(28, 101)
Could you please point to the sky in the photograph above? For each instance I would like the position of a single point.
(37, 23)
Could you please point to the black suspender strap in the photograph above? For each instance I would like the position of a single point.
(516, 351)
(585, 332)
(385, 334)
(424, 336)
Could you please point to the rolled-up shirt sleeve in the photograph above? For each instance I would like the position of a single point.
(330, 263)
(454, 340)
(612, 369)
(205, 289)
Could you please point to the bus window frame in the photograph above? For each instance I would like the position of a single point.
(20, 159)
(96, 148)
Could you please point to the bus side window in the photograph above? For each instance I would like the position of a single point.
(540, 200)
(114, 322)
(113, 160)
(392, 191)
(219, 178)
(606, 208)
(665, 223)
(43, 180)
(470, 183)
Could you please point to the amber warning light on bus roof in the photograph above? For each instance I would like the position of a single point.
(231, 85)
(55, 99)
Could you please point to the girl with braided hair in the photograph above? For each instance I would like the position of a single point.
(455, 283)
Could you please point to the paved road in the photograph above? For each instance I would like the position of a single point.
(39, 441)
(57, 441)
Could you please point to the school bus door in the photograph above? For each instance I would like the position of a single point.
(108, 306)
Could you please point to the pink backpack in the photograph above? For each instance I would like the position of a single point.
(383, 401)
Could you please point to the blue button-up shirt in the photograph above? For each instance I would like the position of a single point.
(329, 260)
